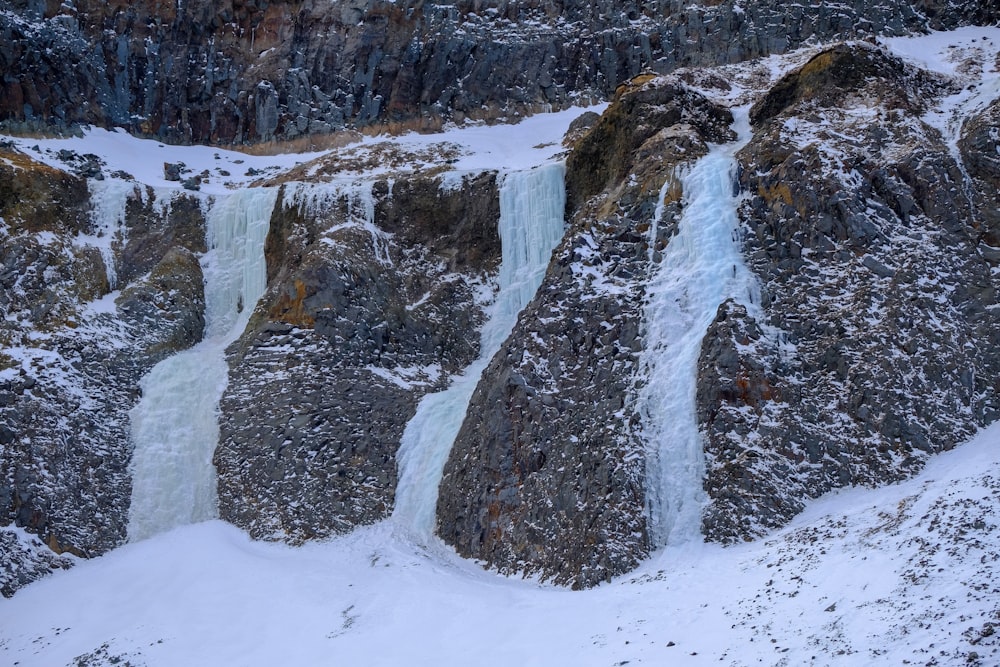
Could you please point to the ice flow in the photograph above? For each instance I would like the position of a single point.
(175, 425)
(531, 225)
(701, 267)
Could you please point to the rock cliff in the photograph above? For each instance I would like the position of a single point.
(547, 473)
(254, 71)
(876, 344)
(72, 351)
(873, 345)
(374, 300)
(868, 219)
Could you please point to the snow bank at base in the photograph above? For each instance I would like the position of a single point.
(907, 572)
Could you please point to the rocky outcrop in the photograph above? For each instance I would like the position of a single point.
(71, 355)
(25, 559)
(979, 147)
(372, 303)
(234, 71)
(875, 343)
(547, 473)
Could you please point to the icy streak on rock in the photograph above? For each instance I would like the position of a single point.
(110, 197)
(175, 425)
(701, 268)
(532, 206)
(317, 198)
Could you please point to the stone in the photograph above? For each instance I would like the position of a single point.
(172, 171)
(547, 473)
(869, 345)
(277, 71)
(64, 439)
(317, 403)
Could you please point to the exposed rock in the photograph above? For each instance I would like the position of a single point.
(980, 150)
(877, 338)
(69, 370)
(606, 155)
(832, 76)
(25, 559)
(175, 286)
(238, 71)
(547, 473)
(361, 318)
(172, 171)
(150, 231)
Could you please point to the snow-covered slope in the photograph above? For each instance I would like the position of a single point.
(903, 573)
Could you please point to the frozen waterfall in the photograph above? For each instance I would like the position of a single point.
(702, 266)
(175, 425)
(531, 225)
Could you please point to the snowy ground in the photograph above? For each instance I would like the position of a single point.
(901, 575)
(474, 148)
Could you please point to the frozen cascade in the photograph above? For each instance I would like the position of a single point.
(702, 266)
(531, 225)
(110, 198)
(175, 426)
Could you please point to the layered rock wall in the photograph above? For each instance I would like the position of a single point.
(375, 298)
(250, 72)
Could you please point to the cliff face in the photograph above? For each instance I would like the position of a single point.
(876, 344)
(363, 316)
(873, 343)
(238, 71)
(547, 473)
(70, 360)
(869, 224)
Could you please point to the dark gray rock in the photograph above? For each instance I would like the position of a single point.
(259, 71)
(547, 473)
(354, 328)
(69, 374)
(172, 171)
(979, 145)
(877, 340)
(25, 559)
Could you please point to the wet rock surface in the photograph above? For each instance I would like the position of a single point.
(362, 317)
(874, 344)
(547, 473)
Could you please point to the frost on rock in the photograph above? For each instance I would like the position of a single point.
(878, 342)
(374, 288)
(72, 350)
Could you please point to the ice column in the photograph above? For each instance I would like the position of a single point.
(531, 224)
(701, 267)
(175, 426)
(110, 198)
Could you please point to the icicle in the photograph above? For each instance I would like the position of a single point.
(175, 426)
(702, 266)
(531, 225)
